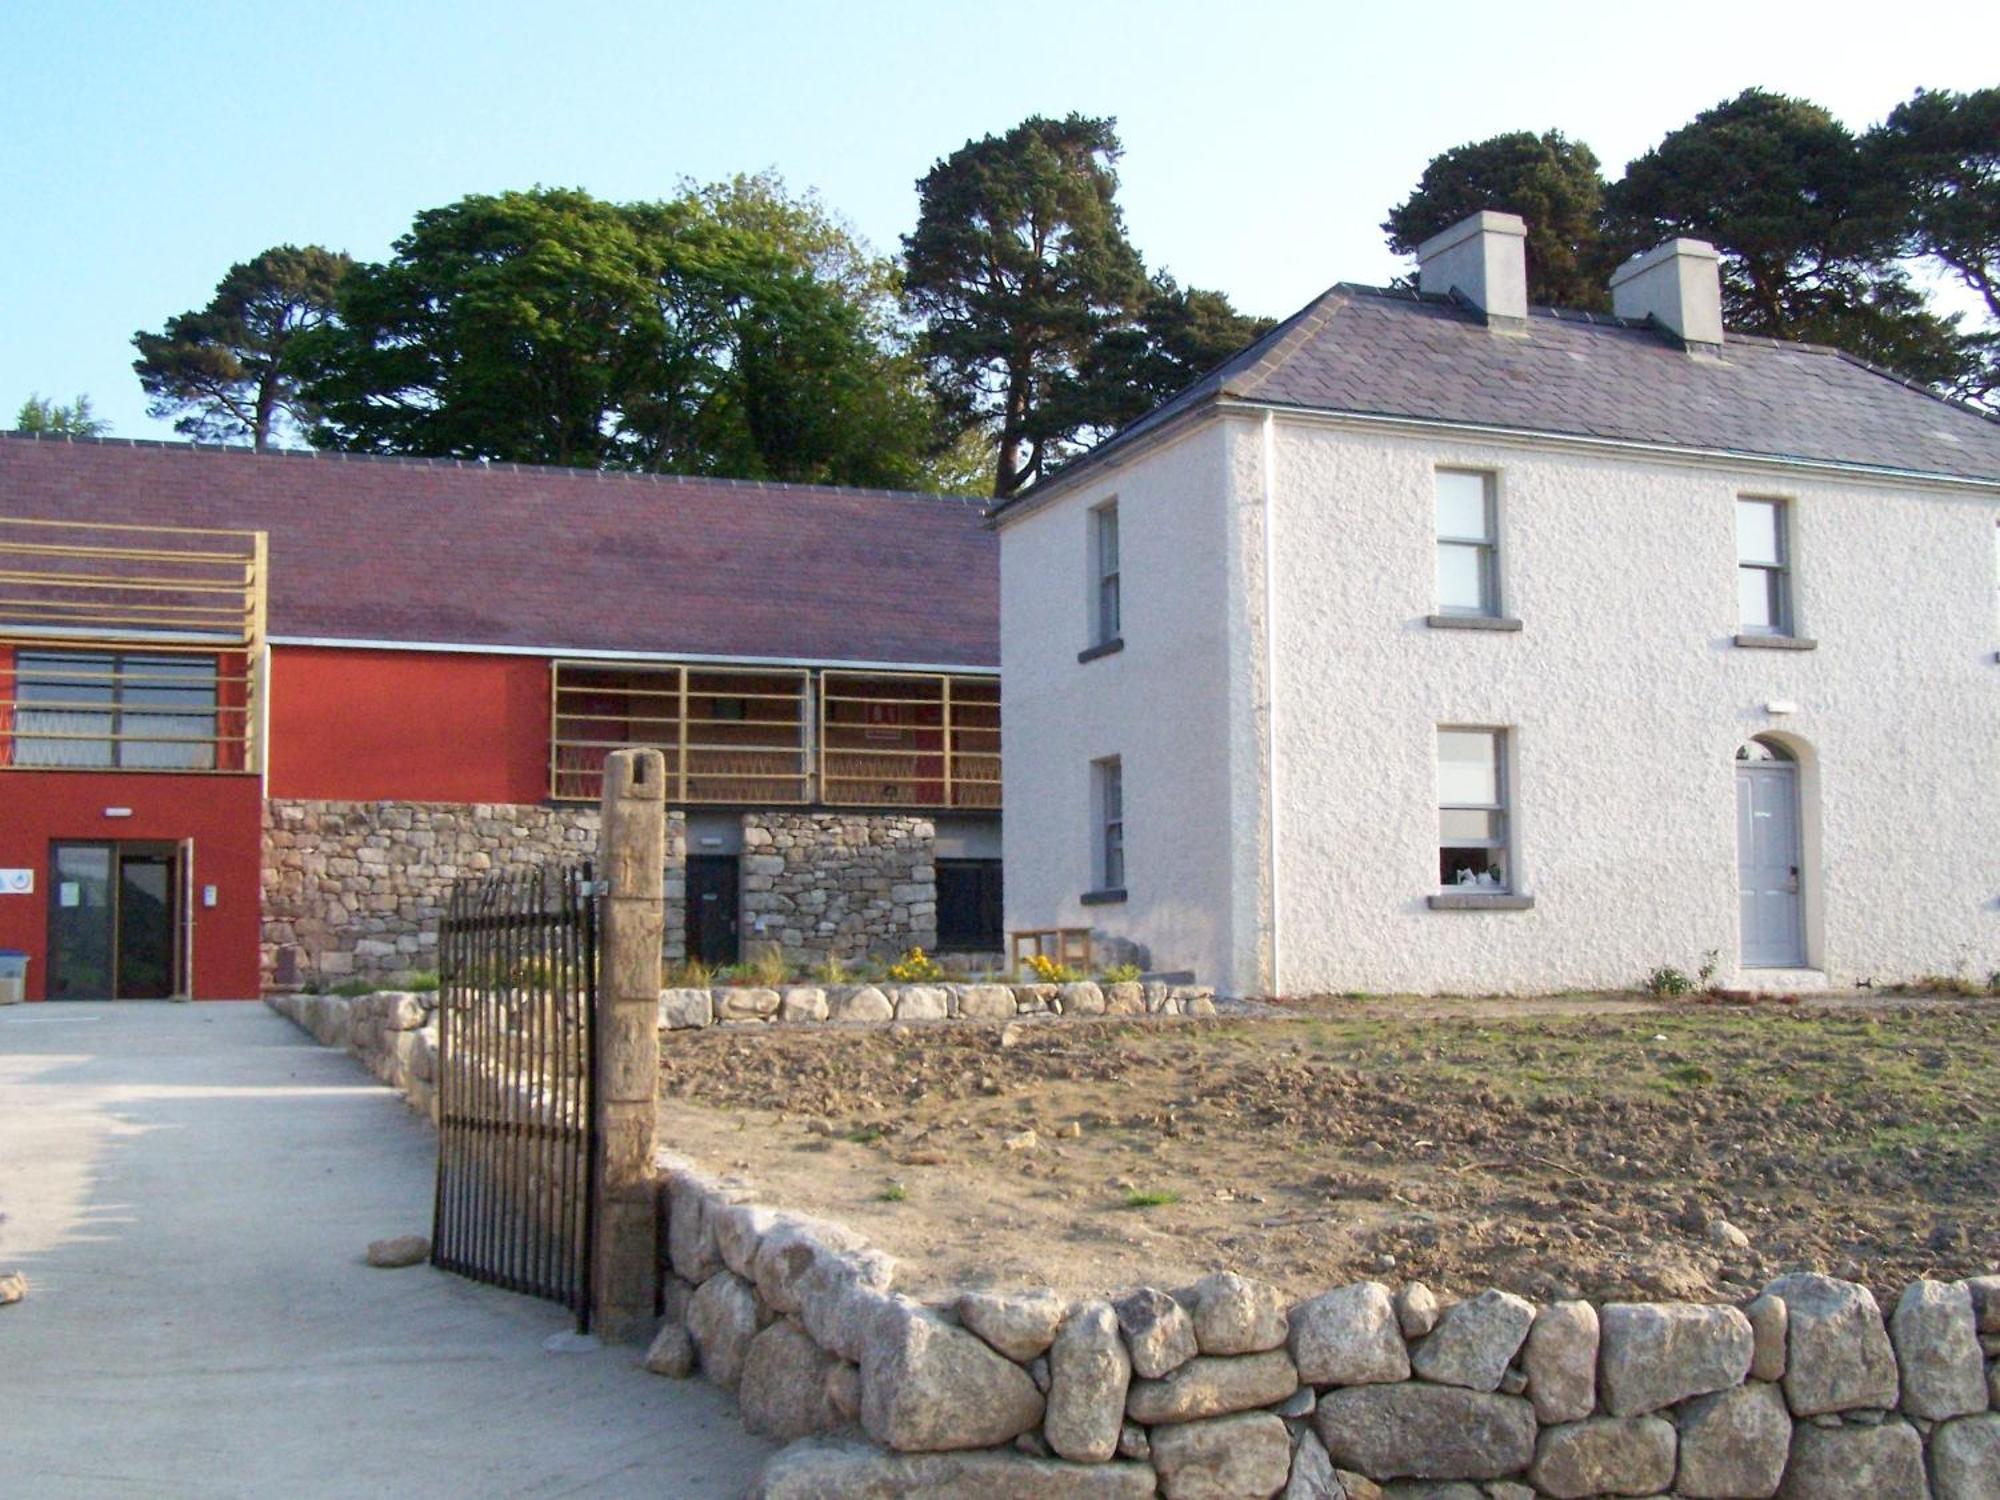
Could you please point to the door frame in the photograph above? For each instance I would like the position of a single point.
(1790, 770)
(180, 916)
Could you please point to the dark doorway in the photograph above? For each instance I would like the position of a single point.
(112, 924)
(711, 908)
(969, 905)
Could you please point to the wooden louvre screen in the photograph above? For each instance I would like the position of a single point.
(890, 739)
(131, 648)
(730, 735)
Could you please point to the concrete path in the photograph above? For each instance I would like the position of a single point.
(189, 1189)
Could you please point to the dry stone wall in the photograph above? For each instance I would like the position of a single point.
(1228, 1389)
(355, 889)
(839, 885)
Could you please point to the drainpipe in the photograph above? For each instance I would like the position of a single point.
(1269, 486)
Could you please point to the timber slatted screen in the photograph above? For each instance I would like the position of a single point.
(136, 648)
(894, 739)
(517, 963)
(730, 735)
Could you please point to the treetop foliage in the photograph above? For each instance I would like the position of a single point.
(1815, 226)
(46, 416)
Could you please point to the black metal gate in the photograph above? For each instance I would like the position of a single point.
(517, 964)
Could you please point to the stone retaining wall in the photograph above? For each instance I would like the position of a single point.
(393, 1032)
(1227, 1389)
(738, 1005)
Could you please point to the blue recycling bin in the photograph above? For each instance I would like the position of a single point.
(13, 976)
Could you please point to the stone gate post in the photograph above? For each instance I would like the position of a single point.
(632, 859)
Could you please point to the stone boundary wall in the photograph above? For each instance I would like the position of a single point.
(393, 1032)
(1228, 1389)
(739, 1005)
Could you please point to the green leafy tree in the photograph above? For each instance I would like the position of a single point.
(731, 330)
(1808, 231)
(1018, 266)
(51, 419)
(1180, 334)
(1941, 151)
(1551, 181)
(223, 372)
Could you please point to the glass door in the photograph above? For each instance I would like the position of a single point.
(82, 910)
(112, 921)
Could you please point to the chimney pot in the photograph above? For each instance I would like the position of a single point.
(1678, 285)
(1484, 259)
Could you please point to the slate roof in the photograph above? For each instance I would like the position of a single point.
(1375, 352)
(466, 554)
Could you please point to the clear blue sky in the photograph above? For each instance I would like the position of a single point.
(149, 146)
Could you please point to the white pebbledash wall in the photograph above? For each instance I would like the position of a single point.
(1624, 695)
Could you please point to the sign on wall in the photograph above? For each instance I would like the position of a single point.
(17, 882)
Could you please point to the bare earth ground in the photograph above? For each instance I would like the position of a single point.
(1568, 1147)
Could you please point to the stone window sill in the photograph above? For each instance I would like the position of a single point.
(1112, 897)
(1480, 901)
(1102, 648)
(1777, 642)
(1472, 622)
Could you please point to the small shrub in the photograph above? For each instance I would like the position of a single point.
(1710, 962)
(1122, 974)
(768, 969)
(895, 1192)
(1152, 1198)
(1048, 971)
(1993, 983)
(1667, 982)
(915, 967)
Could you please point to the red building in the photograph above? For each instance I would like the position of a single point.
(258, 711)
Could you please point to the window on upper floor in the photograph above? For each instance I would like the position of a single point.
(1472, 809)
(1468, 545)
(1105, 619)
(1108, 797)
(115, 709)
(1763, 567)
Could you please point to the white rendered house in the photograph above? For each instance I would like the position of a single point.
(1441, 643)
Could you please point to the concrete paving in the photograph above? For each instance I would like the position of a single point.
(189, 1189)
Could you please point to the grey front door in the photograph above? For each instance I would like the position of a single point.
(1767, 853)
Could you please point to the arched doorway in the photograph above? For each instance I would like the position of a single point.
(1769, 856)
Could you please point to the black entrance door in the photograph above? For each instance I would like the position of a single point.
(111, 921)
(711, 908)
(969, 905)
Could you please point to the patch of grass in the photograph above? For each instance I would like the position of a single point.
(1151, 1198)
(895, 1192)
(865, 1135)
(1689, 1075)
(351, 988)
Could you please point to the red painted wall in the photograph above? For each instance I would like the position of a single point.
(378, 726)
(222, 814)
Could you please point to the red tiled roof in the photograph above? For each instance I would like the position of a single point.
(461, 554)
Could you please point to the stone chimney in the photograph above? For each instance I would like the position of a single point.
(1679, 286)
(1484, 260)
